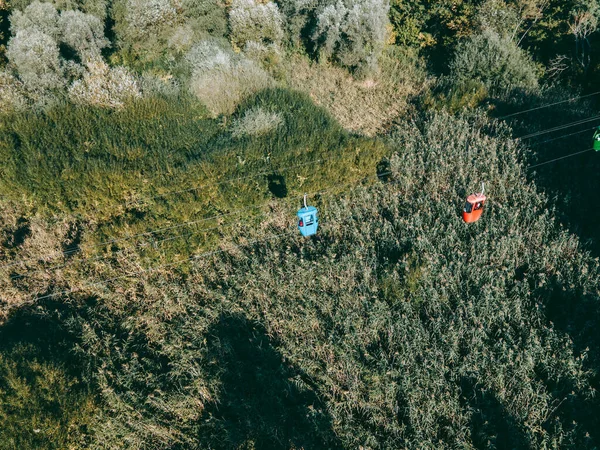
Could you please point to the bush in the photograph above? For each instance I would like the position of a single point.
(97, 8)
(84, 33)
(11, 97)
(495, 61)
(497, 16)
(250, 21)
(143, 16)
(44, 71)
(206, 16)
(353, 33)
(256, 122)
(107, 87)
(35, 56)
(42, 17)
(222, 79)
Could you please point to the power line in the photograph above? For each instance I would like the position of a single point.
(559, 158)
(155, 268)
(181, 261)
(181, 235)
(559, 127)
(562, 137)
(548, 105)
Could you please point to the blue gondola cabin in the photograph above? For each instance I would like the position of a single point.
(308, 220)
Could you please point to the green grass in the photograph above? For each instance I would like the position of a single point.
(44, 403)
(113, 173)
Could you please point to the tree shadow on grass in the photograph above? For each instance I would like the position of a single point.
(263, 403)
(578, 315)
(562, 162)
(492, 427)
(44, 402)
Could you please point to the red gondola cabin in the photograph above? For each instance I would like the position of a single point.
(474, 207)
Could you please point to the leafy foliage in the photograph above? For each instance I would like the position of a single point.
(250, 21)
(497, 62)
(221, 79)
(154, 292)
(353, 32)
(256, 122)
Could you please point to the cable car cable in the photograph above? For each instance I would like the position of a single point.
(548, 105)
(559, 158)
(155, 268)
(562, 137)
(28, 274)
(559, 127)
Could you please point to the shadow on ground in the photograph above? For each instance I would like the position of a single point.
(263, 402)
(44, 402)
(492, 427)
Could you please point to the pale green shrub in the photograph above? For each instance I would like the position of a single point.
(152, 85)
(253, 21)
(497, 16)
(42, 17)
(256, 122)
(208, 54)
(206, 16)
(269, 56)
(96, 7)
(104, 86)
(221, 78)
(143, 16)
(84, 33)
(35, 56)
(496, 61)
(182, 38)
(11, 97)
(353, 32)
(223, 87)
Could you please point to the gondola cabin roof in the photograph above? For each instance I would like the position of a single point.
(474, 198)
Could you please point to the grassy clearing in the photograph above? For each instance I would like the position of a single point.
(363, 106)
(97, 176)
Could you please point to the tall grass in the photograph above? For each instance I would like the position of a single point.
(398, 326)
(110, 174)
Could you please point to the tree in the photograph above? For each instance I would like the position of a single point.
(40, 16)
(494, 60)
(36, 58)
(250, 21)
(353, 32)
(584, 22)
(84, 33)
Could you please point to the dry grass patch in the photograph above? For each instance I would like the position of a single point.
(363, 106)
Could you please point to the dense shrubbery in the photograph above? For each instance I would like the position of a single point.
(353, 32)
(221, 79)
(495, 61)
(42, 71)
(156, 147)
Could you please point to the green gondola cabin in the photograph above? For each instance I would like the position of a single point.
(597, 140)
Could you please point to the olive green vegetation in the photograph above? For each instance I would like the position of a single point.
(44, 401)
(117, 169)
(398, 326)
(155, 292)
